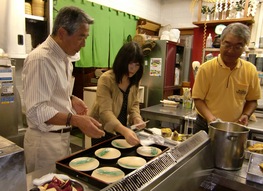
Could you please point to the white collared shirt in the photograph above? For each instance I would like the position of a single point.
(46, 75)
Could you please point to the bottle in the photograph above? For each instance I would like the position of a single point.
(209, 41)
(176, 76)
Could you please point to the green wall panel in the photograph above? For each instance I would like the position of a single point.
(108, 33)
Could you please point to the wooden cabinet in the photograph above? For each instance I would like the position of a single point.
(40, 27)
(21, 32)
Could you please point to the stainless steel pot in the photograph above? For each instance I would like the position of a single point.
(228, 144)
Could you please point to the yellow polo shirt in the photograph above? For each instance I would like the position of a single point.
(226, 91)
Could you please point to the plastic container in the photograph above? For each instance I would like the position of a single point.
(209, 41)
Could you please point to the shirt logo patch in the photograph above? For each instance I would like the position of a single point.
(241, 92)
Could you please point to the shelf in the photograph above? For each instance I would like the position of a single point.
(246, 20)
(35, 18)
(172, 87)
(211, 49)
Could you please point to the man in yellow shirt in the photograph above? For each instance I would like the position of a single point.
(227, 87)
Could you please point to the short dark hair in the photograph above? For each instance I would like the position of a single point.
(237, 29)
(130, 52)
(70, 18)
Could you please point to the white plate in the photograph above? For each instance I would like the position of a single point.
(108, 174)
(121, 144)
(84, 163)
(148, 151)
(131, 162)
(219, 29)
(108, 153)
(76, 186)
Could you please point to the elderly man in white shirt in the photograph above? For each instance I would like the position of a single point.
(50, 108)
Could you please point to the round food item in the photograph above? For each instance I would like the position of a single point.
(175, 136)
(121, 144)
(131, 162)
(166, 132)
(108, 153)
(257, 148)
(108, 174)
(58, 184)
(84, 163)
(148, 151)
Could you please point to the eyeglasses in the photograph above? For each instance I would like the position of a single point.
(236, 47)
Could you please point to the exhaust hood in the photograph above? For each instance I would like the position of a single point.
(12, 30)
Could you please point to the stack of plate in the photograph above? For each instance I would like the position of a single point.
(28, 9)
(28, 43)
(38, 7)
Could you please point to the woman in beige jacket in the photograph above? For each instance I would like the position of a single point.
(117, 99)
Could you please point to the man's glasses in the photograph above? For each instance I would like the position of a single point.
(236, 47)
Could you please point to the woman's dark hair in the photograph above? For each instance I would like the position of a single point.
(70, 18)
(130, 52)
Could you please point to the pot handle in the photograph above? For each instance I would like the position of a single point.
(232, 138)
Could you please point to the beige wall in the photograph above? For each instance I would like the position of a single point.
(148, 9)
(177, 13)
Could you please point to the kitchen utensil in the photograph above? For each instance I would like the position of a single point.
(228, 144)
(152, 139)
(133, 127)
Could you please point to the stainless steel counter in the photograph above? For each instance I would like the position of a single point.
(168, 114)
(236, 180)
(180, 115)
(256, 126)
(230, 180)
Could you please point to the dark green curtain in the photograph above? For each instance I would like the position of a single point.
(100, 45)
(108, 33)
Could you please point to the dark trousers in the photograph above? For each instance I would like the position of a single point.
(200, 124)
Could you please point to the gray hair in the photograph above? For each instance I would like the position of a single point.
(237, 29)
(70, 18)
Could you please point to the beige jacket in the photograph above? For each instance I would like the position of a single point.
(109, 100)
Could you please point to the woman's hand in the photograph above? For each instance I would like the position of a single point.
(79, 106)
(130, 136)
(138, 120)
